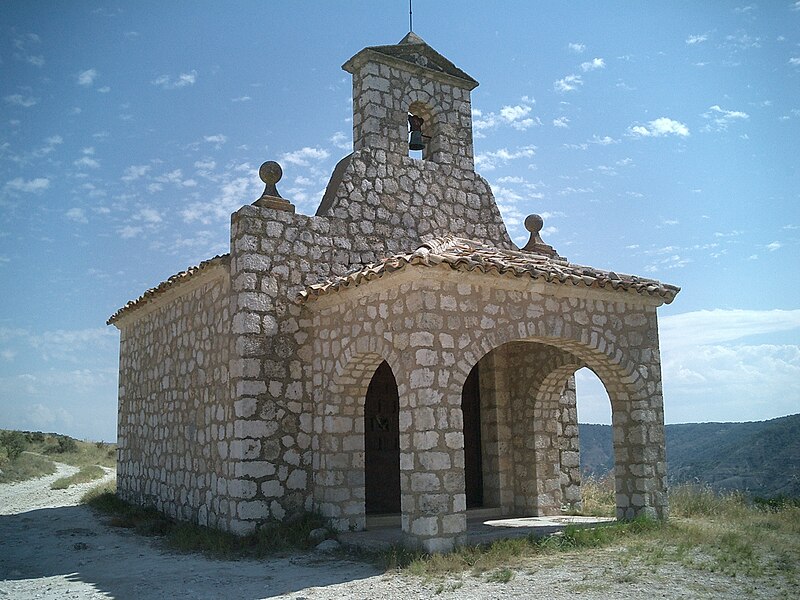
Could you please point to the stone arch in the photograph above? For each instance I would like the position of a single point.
(420, 103)
(634, 390)
(339, 429)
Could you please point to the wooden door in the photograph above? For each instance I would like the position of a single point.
(473, 468)
(382, 443)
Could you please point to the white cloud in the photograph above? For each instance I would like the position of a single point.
(795, 6)
(341, 141)
(489, 160)
(20, 100)
(129, 231)
(561, 122)
(512, 113)
(148, 215)
(697, 39)
(135, 172)
(593, 65)
(514, 116)
(568, 84)
(174, 177)
(22, 43)
(660, 127)
(736, 382)
(86, 161)
(77, 214)
(166, 82)
(234, 192)
(743, 41)
(305, 156)
(795, 61)
(217, 139)
(719, 325)
(61, 344)
(672, 261)
(577, 47)
(87, 77)
(205, 165)
(774, 246)
(572, 190)
(28, 186)
(603, 141)
(719, 118)
(241, 99)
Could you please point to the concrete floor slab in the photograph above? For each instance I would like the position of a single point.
(479, 530)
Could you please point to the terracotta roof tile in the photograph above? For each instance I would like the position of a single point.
(468, 255)
(162, 287)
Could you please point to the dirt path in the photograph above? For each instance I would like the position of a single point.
(52, 549)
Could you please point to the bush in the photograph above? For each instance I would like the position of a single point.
(64, 445)
(14, 443)
(776, 503)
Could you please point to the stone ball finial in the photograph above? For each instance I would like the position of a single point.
(534, 224)
(270, 173)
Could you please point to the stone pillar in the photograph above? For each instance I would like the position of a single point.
(272, 431)
(637, 417)
(569, 447)
(433, 500)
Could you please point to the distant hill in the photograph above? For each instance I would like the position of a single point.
(761, 458)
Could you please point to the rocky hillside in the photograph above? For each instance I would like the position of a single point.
(761, 458)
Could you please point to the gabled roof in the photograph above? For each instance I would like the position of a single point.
(413, 50)
(164, 286)
(468, 255)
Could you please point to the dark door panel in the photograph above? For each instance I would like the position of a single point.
(382, 443)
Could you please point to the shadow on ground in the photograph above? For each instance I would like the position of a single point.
(55, 552)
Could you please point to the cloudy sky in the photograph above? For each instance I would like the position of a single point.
(660, 139)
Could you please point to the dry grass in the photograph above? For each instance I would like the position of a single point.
(26, 455)
(25, 466)
(85, 475)
(272, 538)
(754, 544)
(598, 496)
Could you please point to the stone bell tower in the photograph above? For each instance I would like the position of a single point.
(389, 82)
(398, 200)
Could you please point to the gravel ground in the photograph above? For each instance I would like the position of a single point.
(52, 548)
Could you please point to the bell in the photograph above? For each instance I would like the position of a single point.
(416, 142)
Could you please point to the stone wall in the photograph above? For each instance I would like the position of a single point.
(383, 205)
(392, 203)
(175, 418)
(432, 325)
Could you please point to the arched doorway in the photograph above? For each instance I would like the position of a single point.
(382, 443)
(473, 462)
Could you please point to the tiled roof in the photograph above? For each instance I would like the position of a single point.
(467, 255)
(162, 287)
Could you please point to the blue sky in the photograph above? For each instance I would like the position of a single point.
(660, 139)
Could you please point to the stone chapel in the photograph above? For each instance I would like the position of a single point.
(395, 353)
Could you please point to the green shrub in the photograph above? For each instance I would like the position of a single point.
(14, 443)
(776, 503)
(34, 437)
